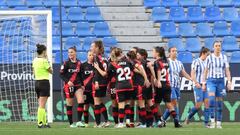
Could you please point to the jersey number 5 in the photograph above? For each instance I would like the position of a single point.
(124, 74)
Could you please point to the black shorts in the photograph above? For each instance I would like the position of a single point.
(112, 93)
(147, 93)
(88, 98)
(122, 96)
(101, 92)
(162, 94)
(69, 92)
(42, 88)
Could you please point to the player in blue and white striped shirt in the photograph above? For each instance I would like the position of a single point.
(217, 67)
(176, 68)
(197, 72)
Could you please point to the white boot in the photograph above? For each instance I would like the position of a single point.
(212, 123)
(219, 124)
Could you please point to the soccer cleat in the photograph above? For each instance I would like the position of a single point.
(47, 126)
(207, 126)
(97, 126)
(120, 125)
(212, 124)
(73, 126)
(141, 126)
(186, 122)
(219, 125)
(115, 126)
(86, 125)
(177, 124)
(105, 124)
(159, 124)
(80, 124)
(40, 125)
(164, 123)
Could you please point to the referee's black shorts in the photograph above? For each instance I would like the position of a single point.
(42, 88)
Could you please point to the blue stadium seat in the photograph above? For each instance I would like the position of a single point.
(75, 14)
(69, 3)
(223, 3)
(159, 14)
(208, 42)
(51, 3)
(15, 3)
(177, 14)
(67, 29)
(82, 56)
(87, 42)
(193, 44)
(176, 42)
(72, 41)
(109, 41)
(212, 14)
(83, 29)
(204, 30)
(195, 14)
(235, 58)
(34, 3)
(152, 3)
(58, 57)
(220, 28)
(230, 14)
(55, 31)
(230, 43)
(168, 29)
(185, 57)
(86, 3)
(236, 3)
(21, 8)
(4, 8)
(93, 14)
(235, 29)
(101, 29)
(56, 16)
(169, 3)
(55, 43)
(3, 3)
(186, 3)
(205, 3)
(186, 30)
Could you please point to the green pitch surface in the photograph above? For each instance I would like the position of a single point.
(63, 129)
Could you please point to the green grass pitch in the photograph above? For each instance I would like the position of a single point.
(21, 128)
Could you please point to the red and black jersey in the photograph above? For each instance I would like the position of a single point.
(87, 75)
(123, 74)
(163, 66)
(147, 70)
(70, 71)
(138, 79)
(111, 76)
(102, 62)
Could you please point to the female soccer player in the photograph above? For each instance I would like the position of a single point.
(197, 72)
(87, 76)
(176, 68)
(41, 70)
(148, 92)
(100, 82)
(122, 69)
(112, 90)
(140, 80)
(162, 83)
(217, 67)
(73, 86)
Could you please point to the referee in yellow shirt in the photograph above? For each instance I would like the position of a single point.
(41, 69)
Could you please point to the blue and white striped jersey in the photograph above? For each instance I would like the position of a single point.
(199, 66)
(216, 66)
(175, 67)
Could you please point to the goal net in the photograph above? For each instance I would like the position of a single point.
(20, 31)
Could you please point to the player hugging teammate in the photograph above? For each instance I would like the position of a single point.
(130, 80)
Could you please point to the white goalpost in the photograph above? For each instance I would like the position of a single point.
(20, 31)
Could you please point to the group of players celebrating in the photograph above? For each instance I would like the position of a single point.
(132, 80)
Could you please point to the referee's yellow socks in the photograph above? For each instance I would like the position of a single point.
(41, 116)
